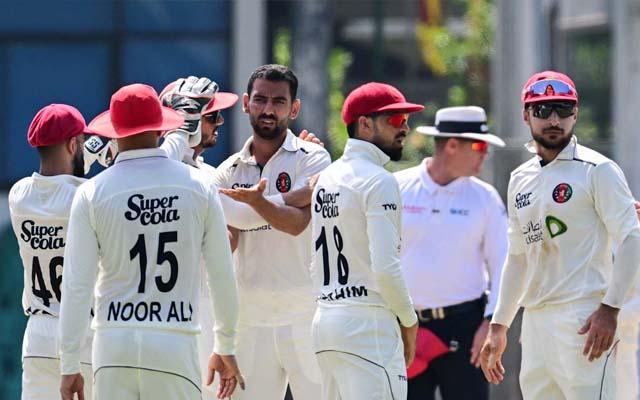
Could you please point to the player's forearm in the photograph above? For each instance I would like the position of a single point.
(80, 269)
(298, 198)
(511, 288)
(625, 271)
(221, 280)
(284, 218)
(243, 216)
(385, 262)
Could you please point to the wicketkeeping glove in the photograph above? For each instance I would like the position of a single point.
(100, 149)
(189, 96)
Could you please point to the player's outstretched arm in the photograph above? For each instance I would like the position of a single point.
(282, 217)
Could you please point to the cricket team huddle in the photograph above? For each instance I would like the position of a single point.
(163, 277)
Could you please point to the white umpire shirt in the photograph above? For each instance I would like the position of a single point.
(148, 220)
(356, 220)
(563, 218)
(272, 267)
(454, 239)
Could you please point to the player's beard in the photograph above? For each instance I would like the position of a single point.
(78, 164)
(268, 133)
(553, 145)
(394, 152)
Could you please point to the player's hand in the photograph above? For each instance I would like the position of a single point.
(251, 195)
(229, 373)
(491, 353)
(637, 206)
(71, 384)
(310, 137)
(188, 96)
(409, 340)
(601, 330)
(478, 340)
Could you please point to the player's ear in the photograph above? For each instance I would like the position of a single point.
(525, 115)
(245, 103)
(71, 145)
(295, 109)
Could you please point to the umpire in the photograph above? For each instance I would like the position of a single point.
(454, 233)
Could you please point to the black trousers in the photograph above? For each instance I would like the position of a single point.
(452, 373)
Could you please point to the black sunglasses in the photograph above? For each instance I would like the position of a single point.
(213, 117)
(544, 110)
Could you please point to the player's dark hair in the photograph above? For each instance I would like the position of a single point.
(275, 73)
(351, 128)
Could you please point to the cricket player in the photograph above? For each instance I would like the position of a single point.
(39, 207)
(566, 205)
(272, 261)
(356, 222)
(140, 229)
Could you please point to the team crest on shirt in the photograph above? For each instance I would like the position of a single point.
(562, 193)
(283, 183)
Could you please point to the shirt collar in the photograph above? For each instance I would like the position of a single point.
(431, 186)
(140, 153)
(568, 153)
(356, 148)
(289, 144)
(57, 179)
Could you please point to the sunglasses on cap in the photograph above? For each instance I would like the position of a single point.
(213, 117)
(544, 110)
(550, 87)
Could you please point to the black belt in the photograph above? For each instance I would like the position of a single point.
(429, 314)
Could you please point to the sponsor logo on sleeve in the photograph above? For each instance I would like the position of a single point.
(283, 183)
(389, 206)
(532, 232)
(562, 193)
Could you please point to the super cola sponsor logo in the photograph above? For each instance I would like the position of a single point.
(154, 210)
(42, 237)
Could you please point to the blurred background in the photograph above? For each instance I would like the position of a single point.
(437, 52)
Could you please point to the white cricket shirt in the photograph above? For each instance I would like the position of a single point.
(147, 220)
(356, 222)
(454, 239)
(272, 267)
(563, 218)
(39, 207)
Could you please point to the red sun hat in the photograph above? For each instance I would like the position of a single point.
(556, 86)
(135, 109)
(220, 101)
(375, 97)
(54, 124)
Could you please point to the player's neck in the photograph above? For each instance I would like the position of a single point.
(263, 149)
(439, 172)
(58, 166)
(547, 155)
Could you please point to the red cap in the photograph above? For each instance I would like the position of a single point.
(54, 124)
(135, 109)
(375, 97)
(220, 101)
(544, 75)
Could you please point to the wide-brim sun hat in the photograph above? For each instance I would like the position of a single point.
(467, 122)
(220, 101)
(135, 109)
